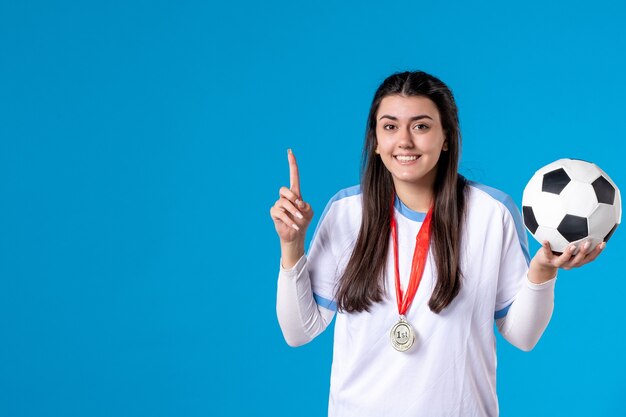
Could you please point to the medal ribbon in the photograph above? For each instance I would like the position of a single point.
(418, 263)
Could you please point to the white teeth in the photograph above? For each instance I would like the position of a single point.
(403, 158)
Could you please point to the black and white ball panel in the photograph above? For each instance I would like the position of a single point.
(529, 219)
(572, 202)
(605, 192)
(597, 225)
(573, 228)
(557, 242)
(581, 171)
(555, 181)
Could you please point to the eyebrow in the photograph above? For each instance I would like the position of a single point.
(412, 119)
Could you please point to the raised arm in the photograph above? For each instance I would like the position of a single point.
(299, 316)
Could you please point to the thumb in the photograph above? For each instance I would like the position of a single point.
(547, 250)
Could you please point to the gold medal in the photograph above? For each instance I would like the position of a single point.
(402, 335)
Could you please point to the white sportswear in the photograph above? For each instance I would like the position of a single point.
(451, 369)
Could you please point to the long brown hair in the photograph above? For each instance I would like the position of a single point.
(362, 283)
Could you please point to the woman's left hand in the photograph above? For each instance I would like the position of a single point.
(544, 265)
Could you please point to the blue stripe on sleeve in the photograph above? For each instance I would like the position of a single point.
(515, 213)
(501, 313)
(324, 302)
(346, 192)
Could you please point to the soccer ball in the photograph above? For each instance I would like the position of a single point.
(570, 201)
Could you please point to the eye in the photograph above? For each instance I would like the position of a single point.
(420, 126)
(389, 127)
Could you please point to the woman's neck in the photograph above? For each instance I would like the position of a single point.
(417, 198)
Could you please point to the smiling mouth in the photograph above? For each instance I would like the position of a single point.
(407, 158)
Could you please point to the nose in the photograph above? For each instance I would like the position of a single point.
(405, 139)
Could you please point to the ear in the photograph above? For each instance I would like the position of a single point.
(445, 145)
(376, 150)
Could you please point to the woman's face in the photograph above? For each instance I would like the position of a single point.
(410, 139)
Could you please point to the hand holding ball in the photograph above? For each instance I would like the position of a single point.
(570, 201)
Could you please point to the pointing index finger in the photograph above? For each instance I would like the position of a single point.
(294, 176)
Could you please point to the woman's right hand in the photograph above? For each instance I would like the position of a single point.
(290, 214)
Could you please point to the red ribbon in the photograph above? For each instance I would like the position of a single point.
(418, 263)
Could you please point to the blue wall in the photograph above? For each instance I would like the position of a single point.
(142, 144)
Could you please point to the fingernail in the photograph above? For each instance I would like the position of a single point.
(289, 150)
(572, 248)
(602, 245)
(299, 215)
(295, 226)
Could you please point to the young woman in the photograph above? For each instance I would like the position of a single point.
(417, 262)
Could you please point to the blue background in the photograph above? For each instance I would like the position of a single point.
(142, 144)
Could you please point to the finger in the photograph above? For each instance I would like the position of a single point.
(281, 216)
(294, 175)
(579, 258)
(305, 209)
(289, 195)
(593, 254)
(288, 205)
(567, 254)
(547, 251)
